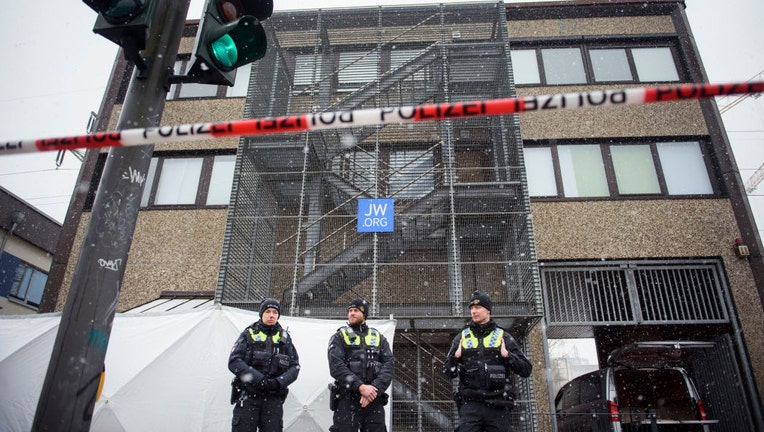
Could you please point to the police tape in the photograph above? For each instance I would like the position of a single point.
(381, 116)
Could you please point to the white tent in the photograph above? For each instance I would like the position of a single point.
(167, 371)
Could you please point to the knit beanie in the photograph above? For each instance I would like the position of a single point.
(480, 298)
(362, 306)
(270, 303)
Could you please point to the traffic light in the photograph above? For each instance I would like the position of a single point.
(124, 22)
(230, 35)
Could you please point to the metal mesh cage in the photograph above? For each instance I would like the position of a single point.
(461, 206)
(462, 215)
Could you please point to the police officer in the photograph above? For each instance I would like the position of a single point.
(484, 356)
(265, 362)
(361, 362)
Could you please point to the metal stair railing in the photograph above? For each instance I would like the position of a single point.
(388, 80)
(332, 275)
(341, 186)
(351, 193)
(334, 139)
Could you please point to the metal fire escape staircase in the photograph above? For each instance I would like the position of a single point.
(332, 140)
(350, 265)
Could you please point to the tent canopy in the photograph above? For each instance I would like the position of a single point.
(167, 371)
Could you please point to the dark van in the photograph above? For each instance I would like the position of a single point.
(643, 388)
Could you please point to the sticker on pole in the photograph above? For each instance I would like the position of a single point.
(376, 215)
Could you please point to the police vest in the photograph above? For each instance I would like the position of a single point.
(362, 354)
(482, 366)
(264, 353)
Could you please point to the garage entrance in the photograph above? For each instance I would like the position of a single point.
(619, 302)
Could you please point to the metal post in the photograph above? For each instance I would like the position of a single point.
(69, 391)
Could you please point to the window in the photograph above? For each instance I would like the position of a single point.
(617, 170)
(412, 175)
(354, 69)
(590, 390)
(655, 64)
(563, 66)
(525, 67)
(471, 70)
(221, 180)
(399, 57)
(593, 63)
(179, 181)
(610, 65)
(582, 170)
(196, 90)
(684, 168)
(570, 398)
(360, 168)
(634, 169)
(307, 70)
(197, 181)
(357, 68)
(21, 282)
(540, 169)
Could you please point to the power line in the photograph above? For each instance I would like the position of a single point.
(49, 197)
(40, 171)
(741, 98)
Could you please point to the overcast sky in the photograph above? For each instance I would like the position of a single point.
(55, 71)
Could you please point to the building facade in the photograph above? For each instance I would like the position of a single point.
(610, 225)
(27, 249)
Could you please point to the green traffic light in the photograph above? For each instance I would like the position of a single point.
(225, 51)
(230, 36)
(242, 42)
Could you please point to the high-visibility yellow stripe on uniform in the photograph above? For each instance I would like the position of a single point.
(493, 340)
(261, 337)
(371, 339)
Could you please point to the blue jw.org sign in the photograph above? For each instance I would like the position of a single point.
(376, 215)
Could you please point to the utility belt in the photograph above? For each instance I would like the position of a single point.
(337, 392)
(495, 398)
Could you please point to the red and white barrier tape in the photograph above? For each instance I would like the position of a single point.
(379, 116)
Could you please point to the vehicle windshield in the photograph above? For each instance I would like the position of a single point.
(662, 390)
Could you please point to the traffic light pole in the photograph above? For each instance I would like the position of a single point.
(72, 381)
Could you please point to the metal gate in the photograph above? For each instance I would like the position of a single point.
(644, 292)
(718, 381)
(582, 296)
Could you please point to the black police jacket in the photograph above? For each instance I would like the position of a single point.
(483, 373)
(263, 352)
(362, 363)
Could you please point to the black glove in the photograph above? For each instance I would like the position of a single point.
(451, 367)
(269, 384)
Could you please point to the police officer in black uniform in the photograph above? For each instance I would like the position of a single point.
(361, 362)
(483, 356)
(265, 362)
